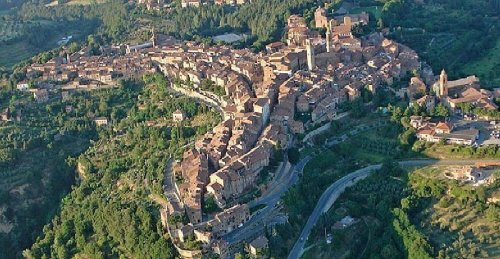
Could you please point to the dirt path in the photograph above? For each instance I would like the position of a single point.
(369, 238)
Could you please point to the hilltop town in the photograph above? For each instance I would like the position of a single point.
(259, 96)
(162, 4)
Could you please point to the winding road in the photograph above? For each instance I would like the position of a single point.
(333, 192)
(284, 180)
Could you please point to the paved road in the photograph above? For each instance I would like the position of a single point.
(283, 181)
(258, 221)
(169, 187)
(333, 192)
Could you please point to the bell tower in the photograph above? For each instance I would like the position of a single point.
(443, 84)
(328, 39)
(310, 55)
(153, 37)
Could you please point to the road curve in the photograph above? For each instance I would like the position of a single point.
(334, 190)
(269, 200)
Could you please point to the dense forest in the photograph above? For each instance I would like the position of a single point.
(31, 190)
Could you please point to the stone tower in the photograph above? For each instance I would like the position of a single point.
(328, 39)
(310, 55)
(320, 18)
(332, 23)
(153, 37)
(348, 21)
(443, 84)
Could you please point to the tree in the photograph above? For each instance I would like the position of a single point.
(334, 126)
(357, 108)
(391, 167)
(380, 24)
(466, 107)
(239, 256)
(418, 110)
(408, 137)
(392, 10)
(293, 155)
(210, 206)
(397, 113)
(389, 251)
(73, 47)
(103, 107)
(493, 213)
(441, 111)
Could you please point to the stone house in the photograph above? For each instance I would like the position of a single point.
(41, 95)
(178, 116)
(230, 219)
(101, 121)
(258, 245)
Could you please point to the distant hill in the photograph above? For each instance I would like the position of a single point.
(74, 2)
(7, 4)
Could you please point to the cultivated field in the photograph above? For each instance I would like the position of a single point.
(10, 30)
(488, 67)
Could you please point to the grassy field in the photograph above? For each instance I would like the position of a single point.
(488, 67)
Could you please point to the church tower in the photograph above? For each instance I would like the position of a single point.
(328, 39)
(310, 55)
(443, 84)
(153, 37)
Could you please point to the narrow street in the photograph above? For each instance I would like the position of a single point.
(168, 185)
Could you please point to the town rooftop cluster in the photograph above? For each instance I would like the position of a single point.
(262, 93)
